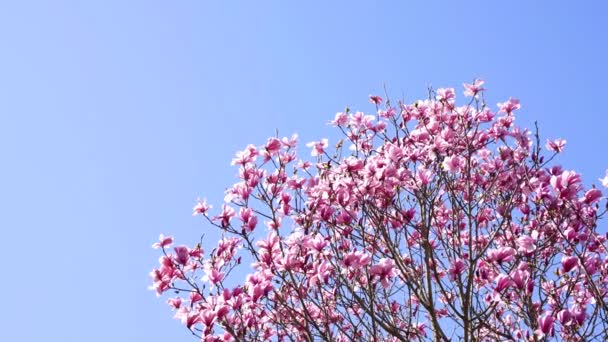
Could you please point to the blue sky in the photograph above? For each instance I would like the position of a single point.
(116, 115)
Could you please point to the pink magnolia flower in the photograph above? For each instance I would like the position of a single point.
(318, 147)
(384, 270)
(545, 325)
(195, 296)
(273, 146)
(509, 106)
(526, 244)
(500, 255)
(456, 268)
(453, 163)
(163, 277)
(473, 89)
(317, 243)
(556, 145)
(256, 292)
(569, 263)
(290, 142)
(520, 278)
(419, 329)
(163, 242)
(213, 275)
(565, 317)
(567, 184)
(222, 311)
(445, 94)
(175, 303)
(321, 273)
(484, 115)
(377, 100)
(424, 176)
(201, 208)
(580, 314)
(356, 260)
(503, 282)
(389, 113)
(207, 317)
(190, 319)
(182, 255)
(239, 192)
(341, 119)
(250, 221)
(226, 215)
(246, 156)
(592, 196)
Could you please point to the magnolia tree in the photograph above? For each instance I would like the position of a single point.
(427, 221)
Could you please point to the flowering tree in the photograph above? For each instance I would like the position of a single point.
(436, 222)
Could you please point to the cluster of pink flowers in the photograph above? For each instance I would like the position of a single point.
(428, 220)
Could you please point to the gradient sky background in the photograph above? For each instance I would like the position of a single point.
(116, 115)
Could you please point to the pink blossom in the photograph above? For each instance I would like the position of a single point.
(239, 192)
(445, 94)
(321, 273)
(384, 270)
(545, 325)
(195, 296)
(520, 278)
(182, 254)
(429, 192)
(473, 89)
(318, 147)
(556, 145)
(526, 244)
(570, 234)
(456, 268)
(341, 119)
(377, 100)
(226, 215)
(207, 317)
(273, 146)
(318, 243)
(213, 275)
(567, 184)
(246, 156)
(592, 196)
(509, 106)
(175, 302)
(389, 113)
(564, 316)
(191, 319)
(424, 176)
(484, 115)
(579, 315)
(163, 242)
(500, 255)
(453, 163)
(256, 292)
(201, 208)
(196, 252)
(290, 142)
(222, 311)
(356, 260)
(225, 250)
(569, 263)
(250, 221)
(163, 276)
(503, 282)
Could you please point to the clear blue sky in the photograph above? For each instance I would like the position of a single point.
(116, 115)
